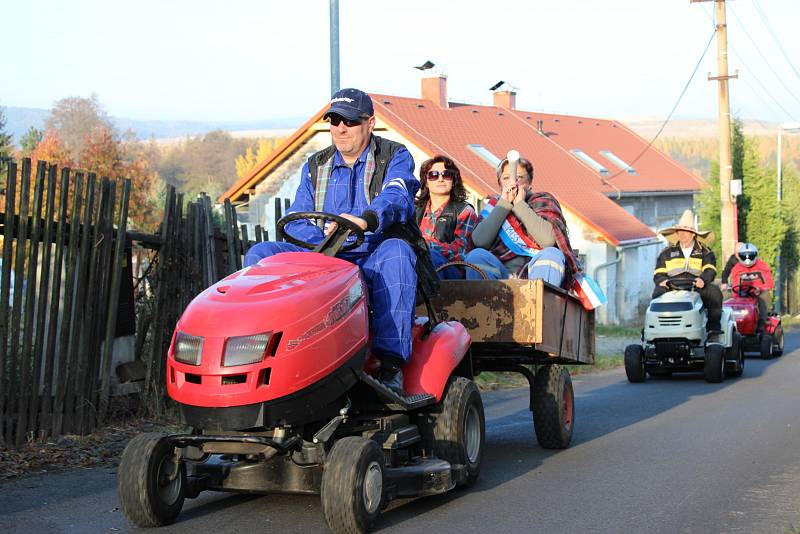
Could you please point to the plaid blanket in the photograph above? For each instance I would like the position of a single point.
(546, 206)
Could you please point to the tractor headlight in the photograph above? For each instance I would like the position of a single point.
(188, 349)
(244, 350)
(739, 314)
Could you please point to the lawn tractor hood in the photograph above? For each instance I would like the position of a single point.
(268, 331)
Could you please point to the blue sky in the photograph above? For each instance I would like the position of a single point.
(263, 59)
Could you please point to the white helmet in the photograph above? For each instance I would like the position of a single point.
(748, 253)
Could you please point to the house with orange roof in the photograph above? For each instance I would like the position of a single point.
(614, 188)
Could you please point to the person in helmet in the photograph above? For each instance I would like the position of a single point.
(752, 271)
(688, 258)
(726, 271)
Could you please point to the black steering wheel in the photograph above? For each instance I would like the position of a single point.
(332, 243)
(745, 290)
(686, 285)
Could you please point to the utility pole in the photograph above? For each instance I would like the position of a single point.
(727, 201)
(334, 25)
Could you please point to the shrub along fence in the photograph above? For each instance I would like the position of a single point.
(59, 288)
(60, 276)
(196, 248)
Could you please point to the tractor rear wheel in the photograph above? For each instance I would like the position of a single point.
(151, 487)
(766, 346)
(714, 367)
(634, 363)
(553, 407)
(353, 482)
(777, 345)
(459, 427)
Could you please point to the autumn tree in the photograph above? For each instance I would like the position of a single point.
(30, 141)
(75, 118)
(251, 158)
(6, 143)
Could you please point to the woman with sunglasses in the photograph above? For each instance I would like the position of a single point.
(444, 216)
(521, 232)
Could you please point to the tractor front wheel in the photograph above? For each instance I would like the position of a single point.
(634, 363)
(353, 482)
(151, 486)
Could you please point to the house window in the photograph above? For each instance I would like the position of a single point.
(484, 153)
(618, 161)
(584, 157)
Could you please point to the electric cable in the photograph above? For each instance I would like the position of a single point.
(666, 121)
(775, 37)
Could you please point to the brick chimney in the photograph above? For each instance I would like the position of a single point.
(505, 99)
(434, 88)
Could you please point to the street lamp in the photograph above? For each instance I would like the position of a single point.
(789, 127)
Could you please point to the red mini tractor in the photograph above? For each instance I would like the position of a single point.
(271, 368)
(768, 340)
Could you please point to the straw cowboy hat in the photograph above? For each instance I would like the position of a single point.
(686, 222)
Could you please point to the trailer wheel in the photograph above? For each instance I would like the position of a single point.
(634, 363)
(352, 490)
(777, 343)
(736, 353)
(458, 427)
(150, 490)
(553, 407)
(766, 346)
(714, 366)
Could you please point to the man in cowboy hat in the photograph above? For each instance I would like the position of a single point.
(688, 258)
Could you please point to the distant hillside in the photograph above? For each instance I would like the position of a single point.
(691, 128)
(20, 119)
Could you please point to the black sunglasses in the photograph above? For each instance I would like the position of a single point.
(446, 174)
(336, 120)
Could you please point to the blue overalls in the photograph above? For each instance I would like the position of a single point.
(388, 265)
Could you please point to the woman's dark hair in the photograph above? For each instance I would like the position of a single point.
(524, 163)
(457, 194)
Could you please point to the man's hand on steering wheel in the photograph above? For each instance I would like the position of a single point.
(358, 221)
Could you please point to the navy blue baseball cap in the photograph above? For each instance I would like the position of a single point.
(351, 104)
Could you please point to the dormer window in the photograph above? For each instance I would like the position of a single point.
(587, 159)
(484, 153)
(618, 162)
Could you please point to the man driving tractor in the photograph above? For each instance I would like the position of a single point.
(754, 272)
(688, 259)
(369, 181)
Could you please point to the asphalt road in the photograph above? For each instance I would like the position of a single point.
(667, 456)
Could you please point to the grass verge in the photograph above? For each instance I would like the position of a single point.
(491, 380)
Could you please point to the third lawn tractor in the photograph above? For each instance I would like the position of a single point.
(764, 337)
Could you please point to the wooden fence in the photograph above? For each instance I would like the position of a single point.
(196, 248)
(59, 288)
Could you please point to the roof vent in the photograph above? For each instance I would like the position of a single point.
(420, 105)
(528, 117)
(556, 120)
(387, 102)
(580, 121)
(540, 126)
(474, 110)
(500, 113)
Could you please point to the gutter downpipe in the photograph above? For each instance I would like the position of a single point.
(619, 249)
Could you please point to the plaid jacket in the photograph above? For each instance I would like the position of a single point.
(461, 244)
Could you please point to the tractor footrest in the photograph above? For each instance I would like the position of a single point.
(395, 401)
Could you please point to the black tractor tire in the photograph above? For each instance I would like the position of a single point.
(736, 352)
(353, 485)
(553, 407)
(634, 363)
(765, 346)
(147, 496)
(777, 342)
(459, 427)
(714, 367)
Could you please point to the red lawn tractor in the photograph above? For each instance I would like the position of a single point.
(768, 340)
(271, 369)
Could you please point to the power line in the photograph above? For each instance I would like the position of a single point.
(766, 61)
(666, 121)
(775, 37)
(753, 74)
